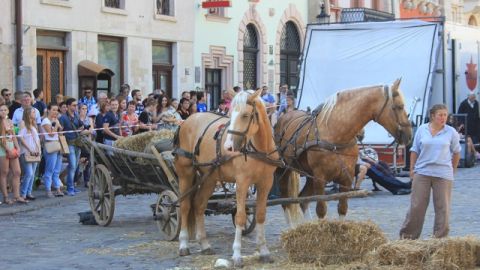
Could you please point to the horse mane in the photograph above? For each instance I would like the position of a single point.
(332, 100)
(239, 102)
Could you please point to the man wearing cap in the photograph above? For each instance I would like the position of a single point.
(470, 107)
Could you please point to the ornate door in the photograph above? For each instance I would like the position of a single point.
(50, 75)
(289, 55)
(250, 52)
(213, 85)
(162, 78)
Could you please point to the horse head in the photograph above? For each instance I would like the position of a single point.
(392, 115)
(244, 120)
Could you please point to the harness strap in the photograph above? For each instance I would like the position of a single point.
(197, 146)
(179, 151)
(324, 145)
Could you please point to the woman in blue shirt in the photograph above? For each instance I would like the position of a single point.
(434, 158)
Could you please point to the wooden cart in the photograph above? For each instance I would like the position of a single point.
(121, 172)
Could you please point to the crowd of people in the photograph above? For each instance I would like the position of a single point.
(41, 143)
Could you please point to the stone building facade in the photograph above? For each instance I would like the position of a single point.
(147, 44)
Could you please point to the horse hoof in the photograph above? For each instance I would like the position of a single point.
(238, 263)
(266, 259)
(207, 251)
(184, 252)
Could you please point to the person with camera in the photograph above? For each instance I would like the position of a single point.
(52, 154)
(30, 151)
(72, 126)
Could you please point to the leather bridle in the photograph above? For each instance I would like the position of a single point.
(395, 109)
(253, 116)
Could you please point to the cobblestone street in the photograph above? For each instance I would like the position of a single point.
(48, 235)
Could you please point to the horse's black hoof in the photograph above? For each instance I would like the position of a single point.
(266, 259)
(184, 252)
(207, 251)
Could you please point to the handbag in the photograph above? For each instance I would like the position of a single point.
(31, 158)
(63, 144)
(52, 146)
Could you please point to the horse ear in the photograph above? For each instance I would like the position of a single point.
(255, 95)
(396, 84)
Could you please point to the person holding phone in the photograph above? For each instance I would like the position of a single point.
(53, 159)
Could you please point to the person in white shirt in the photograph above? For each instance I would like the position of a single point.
(26, 103)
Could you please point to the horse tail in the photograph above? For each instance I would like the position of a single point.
(293, 212)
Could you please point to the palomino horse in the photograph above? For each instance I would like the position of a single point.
(205, 149)
(323, 144)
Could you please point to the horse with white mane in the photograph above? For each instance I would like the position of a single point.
(202, 147)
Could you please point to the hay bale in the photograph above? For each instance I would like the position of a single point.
(332, 242)
(444, 253)
(138, 142)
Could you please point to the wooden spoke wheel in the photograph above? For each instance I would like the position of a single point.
(250, 222)
(167, 216)
(101, 195)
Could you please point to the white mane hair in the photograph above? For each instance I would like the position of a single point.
(331, 101)
(240, 100)
(328, 107)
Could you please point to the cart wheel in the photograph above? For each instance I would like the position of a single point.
(250, 223)
(101, 195)
(167, 216)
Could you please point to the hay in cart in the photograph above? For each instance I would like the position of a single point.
(162, 139)
(332, 242)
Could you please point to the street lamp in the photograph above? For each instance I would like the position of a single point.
(323, 17)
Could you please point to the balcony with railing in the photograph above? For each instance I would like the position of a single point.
(365, 15)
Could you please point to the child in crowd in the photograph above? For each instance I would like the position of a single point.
(201, 105)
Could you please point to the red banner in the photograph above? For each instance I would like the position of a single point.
(216, 4)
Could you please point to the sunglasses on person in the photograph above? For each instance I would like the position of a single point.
(7, 95)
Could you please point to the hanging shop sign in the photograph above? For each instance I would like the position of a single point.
(216, 4)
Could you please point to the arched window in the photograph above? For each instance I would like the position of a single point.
(472, 21)
(250, 54)
(289, 55)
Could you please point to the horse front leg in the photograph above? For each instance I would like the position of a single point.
(240, 220)
(201, 202)
(185, 177)
(262, 194)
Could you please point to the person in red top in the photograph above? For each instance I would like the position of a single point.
(130, 120)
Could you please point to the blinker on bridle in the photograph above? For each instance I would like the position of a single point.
(253, 115)
(395, 108)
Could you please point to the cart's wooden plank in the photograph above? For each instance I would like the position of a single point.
(170, 177)
(330, 197)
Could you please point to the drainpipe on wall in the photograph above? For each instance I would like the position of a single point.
(18, 44)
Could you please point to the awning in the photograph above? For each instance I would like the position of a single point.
(89, 68)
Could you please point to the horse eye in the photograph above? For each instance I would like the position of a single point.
(245, 116)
